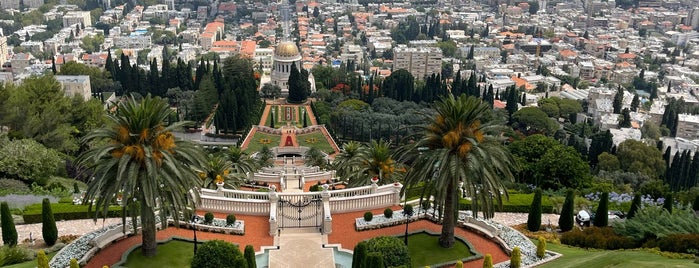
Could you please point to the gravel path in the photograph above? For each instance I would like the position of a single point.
(74, 227)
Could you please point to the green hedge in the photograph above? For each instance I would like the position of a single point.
(63, 211)
(518, 203)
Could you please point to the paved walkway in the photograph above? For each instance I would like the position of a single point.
(302, 248)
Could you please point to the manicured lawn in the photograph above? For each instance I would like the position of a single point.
(29, 264)
(279, 123)
(261, 139)
(578, 257)
(175, 253)
(424, 250)
(315, 139)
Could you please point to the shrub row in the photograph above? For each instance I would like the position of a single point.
(63, 211)
(596, 237)
(680, 243)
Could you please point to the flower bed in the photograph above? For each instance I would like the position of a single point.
(219, 226)
(380, 221)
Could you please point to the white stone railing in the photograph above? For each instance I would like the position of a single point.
(236, 206)
(363, 202)
(234, 194)
(318, 176)
(363, 190)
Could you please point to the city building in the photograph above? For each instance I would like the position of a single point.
(75, 85)
(9, 4)
(3, 49)
(688, 126)
(419, 61)
(264, 57)
(20, 62)
(33, 3)
(77, 17)
(285, 54)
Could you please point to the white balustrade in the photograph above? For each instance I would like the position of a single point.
(363, 202)
(235, 206)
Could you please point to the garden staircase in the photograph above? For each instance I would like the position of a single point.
(302, 247)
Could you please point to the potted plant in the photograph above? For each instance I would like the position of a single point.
(374, 180)
(219, 181)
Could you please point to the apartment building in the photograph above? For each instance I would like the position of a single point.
(688, 126)
(75, 85)
(77, 17)
(419, 61)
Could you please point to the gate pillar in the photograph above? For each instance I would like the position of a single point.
(327, 217)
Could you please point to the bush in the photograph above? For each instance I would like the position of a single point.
(488, 261)
(359, 256)
(680, 243)
(375, 260)
(425, 204)
(249, 255)
(601, 238)
(635, 205)
(13, 186)
(41, 260)
(656, 222)
(388, 213)
(395, 252)
(534, 220)
(208, 218)
(368, 216)
(48, 223)
(216, 253)
(565, 222)
(602, 214)
(64, 211)
(230, 219)
(541, 247)
(13, 255)
(9, 232)
(74, 263)
(76, 189)
(459, 264)
(516, 259)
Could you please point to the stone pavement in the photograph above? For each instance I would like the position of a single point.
(301, 247)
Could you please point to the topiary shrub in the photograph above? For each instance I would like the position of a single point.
(48, 224)
(565, 222)
(395, 252)
(9, 232)
(635, 205)
(425, 204)
(359, 255)
(249, 255)
(541, 247)
(230, 219)
(41, 260)
(217, 253)
(208, 218)
(667, 205)
(488, 261)
(388, 213)
(368, 216)
(695, 205)
(594, 237)
(602, 214)
(459, 264)
(76, 189)
(375, 260)
(516, 259)
(534, 219)
(74, 263)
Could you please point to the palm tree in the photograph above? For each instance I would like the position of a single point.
(358, 163)
(264, 157)
(453, 151)
(241, 163)
(315, 157)
(217, 169)
(137, 155)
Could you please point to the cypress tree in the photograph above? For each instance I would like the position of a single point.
(601, 216)
(296, 86)
(635, 205)
(534, 220)
(250, 256)
(48, 224)
(667, 205)
(618, 100)
(360, 255)
(42, 261)
(488, 261)
(374, 260)
(565, 222)
(541, 247)
(695, 205)
(516, 259)
(9, 233)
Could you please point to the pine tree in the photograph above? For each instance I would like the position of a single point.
(9, 232)
(635, 206)
(601, 216)
(534, 219)
(565, 222)
(48, 224)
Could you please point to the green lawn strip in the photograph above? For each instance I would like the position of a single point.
(66, 211)
(425, 250)
(255, 145)
(319, 141)
(516, 203)
(30, 264)
(175, 253)
(279, 123)
(574, 257)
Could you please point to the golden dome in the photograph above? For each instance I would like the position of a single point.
(286, 49)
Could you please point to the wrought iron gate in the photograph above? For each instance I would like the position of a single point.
(300, 212)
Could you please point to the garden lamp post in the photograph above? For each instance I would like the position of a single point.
(408, 212)
(194, 219)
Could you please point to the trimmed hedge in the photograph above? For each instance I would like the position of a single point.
(520, 203)
(680, 243)
(63, 211)
(596, 237)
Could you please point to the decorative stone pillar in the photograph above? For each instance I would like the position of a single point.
(327, 217)
(219, 188)
(374, 186)
(396, 193)
(273, 199)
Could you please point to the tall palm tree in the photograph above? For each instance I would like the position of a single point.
(455, 149)
(347, 162)
(137, 155)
